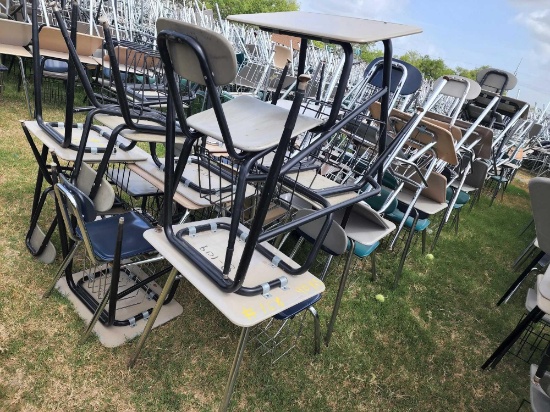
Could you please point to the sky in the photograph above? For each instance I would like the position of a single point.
(503, 34)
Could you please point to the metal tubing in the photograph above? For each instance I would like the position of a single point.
(234, 372)
(405, 251)
(97, 314)
(153, 317)
(115, 273)
(71, 78)
(534, 316)
(341, 288)
(61, 269)
(385, 102)
(517, 283)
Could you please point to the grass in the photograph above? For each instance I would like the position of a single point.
(420, 350)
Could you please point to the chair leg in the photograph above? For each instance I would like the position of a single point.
(97, 315)
(424, 236)
(151, 321)
(524, 254)
(517, 283)
(340, 293)
(495, 193)
(61, 269)
(316, 330)
(531, 223)
(438, 233)
(373, 267)
(475, 200)
(457, 217)
(115, 274)
(405, 252)
(534, 316)
(326, 268)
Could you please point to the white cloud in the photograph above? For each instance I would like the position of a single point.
(538, 23)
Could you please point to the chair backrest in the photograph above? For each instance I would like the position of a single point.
(52, 39)
(73, 203)
(436, 189)
(282, 56)
(15, 33)
(539, 190)
(457, 85)
(412, 83)
(218, 52)
(335, 242)
(496, 80)
(477, 175)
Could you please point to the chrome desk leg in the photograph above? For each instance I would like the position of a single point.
(234, 370)
(153, 317)
(340, 293)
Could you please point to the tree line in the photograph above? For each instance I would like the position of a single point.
(429, 67)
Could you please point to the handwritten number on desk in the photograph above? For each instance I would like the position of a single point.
(249, 313)
(313, 284)
(274, 305)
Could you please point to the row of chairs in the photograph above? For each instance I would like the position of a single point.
(225, 170)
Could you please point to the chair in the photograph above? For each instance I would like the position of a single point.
(114, 241)
(536, 265)
(539, 390)
(539, 190)
(250, 130)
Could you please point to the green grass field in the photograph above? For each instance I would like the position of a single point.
(420, 350)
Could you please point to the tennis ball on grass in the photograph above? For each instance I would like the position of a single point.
(429, 256)
(380, 297)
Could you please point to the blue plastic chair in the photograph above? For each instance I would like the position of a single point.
(107, 241)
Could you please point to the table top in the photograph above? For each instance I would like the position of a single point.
(364, 224)
(244, 311)
(326, 27)
(68, 154)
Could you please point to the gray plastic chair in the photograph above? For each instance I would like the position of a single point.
(539, 190)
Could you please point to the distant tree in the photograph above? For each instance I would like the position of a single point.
(430, 68)
(368, 52)
(228, 7)
(470, 74)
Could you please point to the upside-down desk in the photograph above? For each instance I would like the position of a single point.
(243, 311)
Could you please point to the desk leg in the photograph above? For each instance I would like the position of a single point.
(405, 251)
(234, 370)
(340, 293)
(153, 317)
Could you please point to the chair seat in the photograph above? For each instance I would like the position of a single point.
(363, 251)
(294, 310)
(133, 243)
(463, 197)
(539, 394)
(498, 178)
(56, 66)
(254, 125)
(397, 216)
(376, 202)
